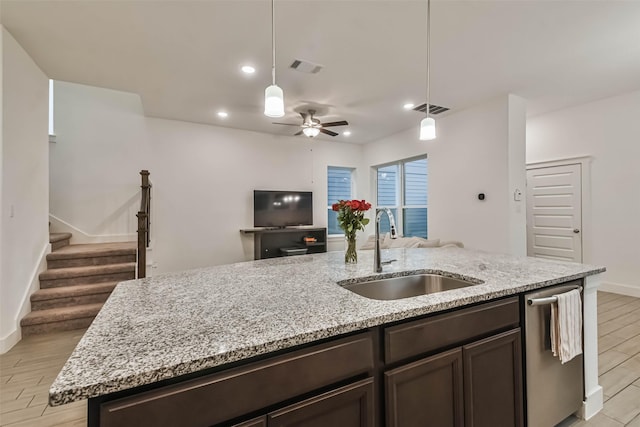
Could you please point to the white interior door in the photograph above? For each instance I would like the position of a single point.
(554, 212)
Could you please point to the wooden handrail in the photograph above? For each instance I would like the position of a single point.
(144, 222)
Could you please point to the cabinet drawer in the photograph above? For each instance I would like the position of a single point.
(215, 398)
(445, 330)
(256, 422)
(348, 406)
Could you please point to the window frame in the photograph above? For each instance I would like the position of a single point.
(398, 200)
(400, 191)
(52, 133)
(351, 196)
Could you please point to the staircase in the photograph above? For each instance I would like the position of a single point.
(78, 281)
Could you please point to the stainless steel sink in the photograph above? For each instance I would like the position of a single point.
(407, 286)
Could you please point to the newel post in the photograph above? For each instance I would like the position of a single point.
(143, 223)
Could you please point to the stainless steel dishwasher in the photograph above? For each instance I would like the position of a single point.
(554, 390)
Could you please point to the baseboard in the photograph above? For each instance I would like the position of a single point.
(10, 340)
(79, 236)
(620, 288)
(592, 404)
(25, 304)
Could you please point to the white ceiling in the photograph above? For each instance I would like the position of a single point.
(184, 57)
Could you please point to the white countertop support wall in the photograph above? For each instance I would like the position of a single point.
(593, 402)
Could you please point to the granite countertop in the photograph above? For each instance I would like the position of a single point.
(174, 324)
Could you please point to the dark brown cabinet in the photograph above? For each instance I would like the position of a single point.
(349, 406)
(475, 385)
(476, 381)
(493, 381)
(426, 393)
(445, 370)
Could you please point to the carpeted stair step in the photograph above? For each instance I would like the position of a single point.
(92, 254)
(59, 319)
(84, 275)
(69, 296)
(59, 240)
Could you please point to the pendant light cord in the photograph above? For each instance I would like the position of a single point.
(273, 43)
(428, 54)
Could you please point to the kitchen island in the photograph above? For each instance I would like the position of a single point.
(174, 329)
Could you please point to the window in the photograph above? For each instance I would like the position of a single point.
(51, 129)
(402, 187)
(339, 187)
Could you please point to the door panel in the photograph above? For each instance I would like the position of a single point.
(553, 221)
(426, 393)
(493, 381)
(554, 212)
(557, 242)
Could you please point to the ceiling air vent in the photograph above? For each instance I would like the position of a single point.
(306, 66)
(433, 109)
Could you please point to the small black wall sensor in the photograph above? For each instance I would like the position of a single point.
(481, 196)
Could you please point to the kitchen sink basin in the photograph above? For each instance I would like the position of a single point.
(407, 286)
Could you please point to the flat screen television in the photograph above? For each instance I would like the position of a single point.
(282, 208)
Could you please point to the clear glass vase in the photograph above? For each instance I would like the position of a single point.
(350, 253)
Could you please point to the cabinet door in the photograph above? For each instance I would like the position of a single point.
(349, 406)
(426, 393)
(493, 381)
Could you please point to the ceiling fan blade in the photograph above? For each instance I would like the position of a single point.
(297, 133)
(286, 124)
(340, 123)
(328, 132)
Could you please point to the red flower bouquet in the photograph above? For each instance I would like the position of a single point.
(351, 219)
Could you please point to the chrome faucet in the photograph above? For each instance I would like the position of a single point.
(377, 263)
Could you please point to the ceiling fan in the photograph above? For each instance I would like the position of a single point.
(313, 127)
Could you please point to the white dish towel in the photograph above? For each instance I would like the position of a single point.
(566, 326)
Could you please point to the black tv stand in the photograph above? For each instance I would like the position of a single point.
(268, 241)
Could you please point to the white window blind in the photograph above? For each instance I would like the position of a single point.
(339, 187)
(402, 187)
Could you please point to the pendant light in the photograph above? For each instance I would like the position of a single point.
(428, 124)
(273, 95)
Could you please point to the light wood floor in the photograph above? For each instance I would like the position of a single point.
(27, 371)
(618, 362)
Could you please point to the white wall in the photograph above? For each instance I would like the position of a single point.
(25, 184)
(516, 149)
(95, 163)
(203, 176)
(609, 131)
(469, 156)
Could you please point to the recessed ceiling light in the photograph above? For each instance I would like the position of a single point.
(223, 114)
(248, 69)
(346, 133)
(408, 106)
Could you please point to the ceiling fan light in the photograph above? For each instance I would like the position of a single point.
(427, 129)
(273, 101)
(311, 132)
